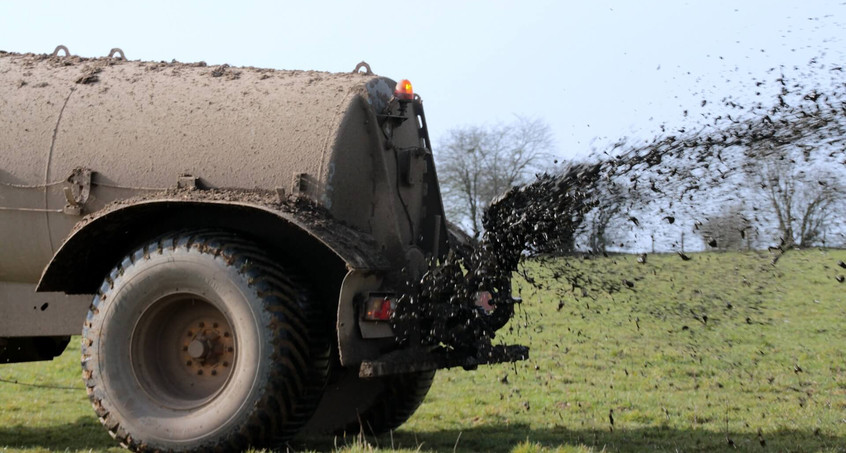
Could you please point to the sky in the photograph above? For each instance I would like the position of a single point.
(593, 70)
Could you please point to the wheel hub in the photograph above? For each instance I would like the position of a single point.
(208, 348)
(198, 349)
(183, 351)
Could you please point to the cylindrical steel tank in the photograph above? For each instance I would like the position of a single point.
(139, 126)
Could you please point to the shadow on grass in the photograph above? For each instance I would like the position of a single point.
(505, 438)
(85, 433)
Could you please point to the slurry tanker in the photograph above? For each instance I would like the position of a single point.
(232, 244)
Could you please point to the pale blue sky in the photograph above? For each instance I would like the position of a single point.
(589, 68)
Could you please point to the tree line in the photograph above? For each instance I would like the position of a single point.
(755, 177)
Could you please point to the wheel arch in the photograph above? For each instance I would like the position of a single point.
(316, 242)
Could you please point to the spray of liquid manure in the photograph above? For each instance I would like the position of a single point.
(743, 154)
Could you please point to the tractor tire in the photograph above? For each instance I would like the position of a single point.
(353, 405)
(197, 342)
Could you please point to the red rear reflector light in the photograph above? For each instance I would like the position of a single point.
(483, 301)
(404, 92)
(378, 308)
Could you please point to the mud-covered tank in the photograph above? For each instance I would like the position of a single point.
(230, 241)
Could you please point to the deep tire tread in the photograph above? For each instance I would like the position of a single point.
(402, 396)
(300, 348)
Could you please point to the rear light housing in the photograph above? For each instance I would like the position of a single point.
(379, 307)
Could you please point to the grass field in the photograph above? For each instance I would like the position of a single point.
(722, 352)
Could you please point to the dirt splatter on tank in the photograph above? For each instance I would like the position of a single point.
(233, 242)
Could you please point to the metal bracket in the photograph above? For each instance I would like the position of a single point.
(412, 164)
(364, 65)
(61, 47)
(281, 195)
(300, 184)
(187, 181)
(117, 51)
(78, 190)
(411, 360)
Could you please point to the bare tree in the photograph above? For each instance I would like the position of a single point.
(802, 205)
(478, 163)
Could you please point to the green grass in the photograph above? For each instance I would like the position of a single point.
(768, 365)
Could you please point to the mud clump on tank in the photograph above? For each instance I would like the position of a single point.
(674, 179)
(340, 238)
(295, 209)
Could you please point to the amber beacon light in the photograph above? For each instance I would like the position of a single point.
(404, 91)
